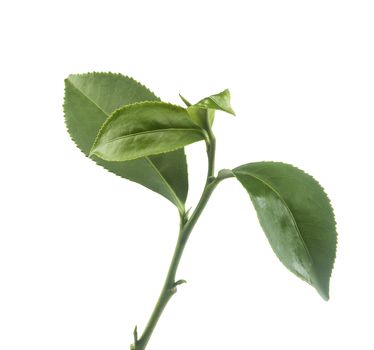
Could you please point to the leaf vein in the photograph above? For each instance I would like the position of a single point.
(180, 204)
(88, 98)
(284, 202)
(151, 132)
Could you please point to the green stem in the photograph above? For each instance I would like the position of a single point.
(211, 151)
(170, 285)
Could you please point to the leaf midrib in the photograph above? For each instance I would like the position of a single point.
(87, 97)
(216, 102)
(179, 204)
(152, 132)
(288, 209)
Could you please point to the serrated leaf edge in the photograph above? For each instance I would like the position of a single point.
(115, 74)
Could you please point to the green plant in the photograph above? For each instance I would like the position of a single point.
(126, 129)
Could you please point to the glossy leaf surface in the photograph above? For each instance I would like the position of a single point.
(89, 100)
(297, 218)
(144, 129)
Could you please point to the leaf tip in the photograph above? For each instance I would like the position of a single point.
(324, 295)
(231, 111)
(185, 101)
(228, 108)
(323, 292)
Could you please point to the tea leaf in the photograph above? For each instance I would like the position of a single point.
(297, 218)
(220, 101)
(89, 101)
(145, 129)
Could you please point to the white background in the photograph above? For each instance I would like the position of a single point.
(83, 253)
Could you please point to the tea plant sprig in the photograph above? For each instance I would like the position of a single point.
(125, 128)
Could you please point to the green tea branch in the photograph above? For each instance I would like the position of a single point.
(186, 227)
(127, 129)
